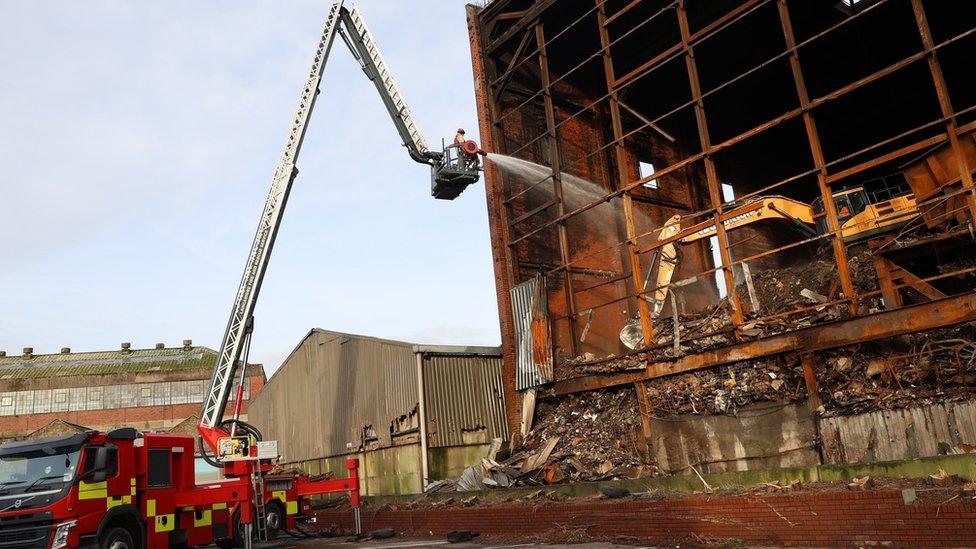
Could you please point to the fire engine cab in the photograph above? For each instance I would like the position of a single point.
(124, 489)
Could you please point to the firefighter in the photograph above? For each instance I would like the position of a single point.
(459, 140)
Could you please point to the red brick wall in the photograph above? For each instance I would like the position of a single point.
(824, 519)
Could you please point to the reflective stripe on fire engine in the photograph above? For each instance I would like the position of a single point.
(99, 490)
(203, 518)
(92, 490)
(112, 501)
(163, 523)
(291, 507)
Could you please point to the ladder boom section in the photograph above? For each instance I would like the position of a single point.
(365, 49)
(257, 260)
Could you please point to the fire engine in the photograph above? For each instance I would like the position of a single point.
(125, 489)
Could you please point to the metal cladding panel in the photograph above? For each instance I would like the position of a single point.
(330, 389)
(463, 394)
(533, 342)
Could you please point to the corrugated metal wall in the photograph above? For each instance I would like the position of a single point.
(330, 388)
(463, 394)
(893, 435)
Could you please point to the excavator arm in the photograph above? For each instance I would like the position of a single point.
(800, 215)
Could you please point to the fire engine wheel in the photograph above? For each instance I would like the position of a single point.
(274, 519)
(116, 538)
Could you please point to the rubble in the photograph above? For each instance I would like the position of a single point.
(725, 389)
(585, 437)
(911, 370)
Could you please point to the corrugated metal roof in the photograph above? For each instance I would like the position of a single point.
(463, 394)
(106, 362)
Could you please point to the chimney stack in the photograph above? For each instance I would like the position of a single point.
(28, 352)
(126, 347)
(65, 350)
(187, 343)
(160, 346)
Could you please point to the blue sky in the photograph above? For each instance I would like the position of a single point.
(137, 143)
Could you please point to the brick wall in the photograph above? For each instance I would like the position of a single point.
(824, 519)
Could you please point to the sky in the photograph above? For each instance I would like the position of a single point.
(137, 144)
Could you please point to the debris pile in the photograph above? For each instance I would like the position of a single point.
(725, 389)
(911, 370)
(583, 437)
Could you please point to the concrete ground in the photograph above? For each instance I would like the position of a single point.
(395, 543)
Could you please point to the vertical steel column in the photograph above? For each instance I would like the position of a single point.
(813, 136)
(620, 154)
(809, 364)
(714, 186)
(540, 40)
(636, 270)
(945, 103)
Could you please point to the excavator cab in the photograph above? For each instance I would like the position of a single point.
(864, 214)
(456, 168)
(848, 202)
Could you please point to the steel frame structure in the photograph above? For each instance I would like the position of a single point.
(512, 50)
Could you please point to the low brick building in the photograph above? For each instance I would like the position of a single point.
(149, 389)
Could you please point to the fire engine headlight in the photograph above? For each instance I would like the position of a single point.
(61, 534)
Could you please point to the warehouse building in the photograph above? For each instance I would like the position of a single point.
(410, 413)
(157, 389)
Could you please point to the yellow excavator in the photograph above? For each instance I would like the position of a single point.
(862, 215)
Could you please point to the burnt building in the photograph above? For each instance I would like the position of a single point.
(805, 169)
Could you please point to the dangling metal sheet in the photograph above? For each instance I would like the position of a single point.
(533, 340)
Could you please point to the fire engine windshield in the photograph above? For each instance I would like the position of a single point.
(36, 470)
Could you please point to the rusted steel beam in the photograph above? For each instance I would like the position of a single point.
(502, 81)
(614, 280)
(510, 15)
(607, 20)
(644, 67)
(916, 318)
(557, 184)
(809, 363)
(623, 174)
(645, 407)
(885, 158)
(711, 174)
(813, 136)
(532, 212)
(945, 103)
(528, 18)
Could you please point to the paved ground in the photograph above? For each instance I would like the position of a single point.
(323, 543)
